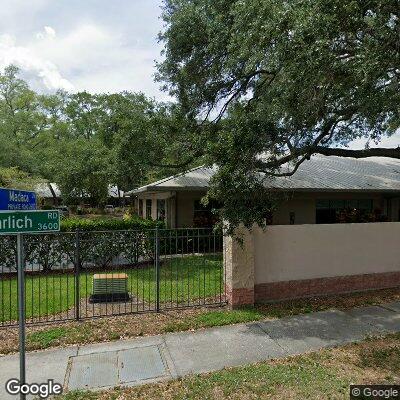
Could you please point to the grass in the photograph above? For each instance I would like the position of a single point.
(215, 318)
(181, 280)
(326, 374)
(48, 337)
(52, 337)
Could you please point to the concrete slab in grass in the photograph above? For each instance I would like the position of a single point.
(141, 363)
(92, 371)
(381, 319)
(136, 365)
(309, 332)
(216, 348)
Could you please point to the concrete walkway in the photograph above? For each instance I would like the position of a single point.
(155, 358)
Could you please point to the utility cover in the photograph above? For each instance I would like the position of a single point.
(113, 368)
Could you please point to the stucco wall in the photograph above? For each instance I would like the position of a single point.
(185, 207)
(239, 268)
(239, 259)
(295, 252)
(302, 206)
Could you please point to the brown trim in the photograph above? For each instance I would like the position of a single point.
(325, 286)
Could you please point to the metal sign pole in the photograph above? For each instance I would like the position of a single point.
(21, 309)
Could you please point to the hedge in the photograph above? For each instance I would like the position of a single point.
(100, 248)
(103, 224)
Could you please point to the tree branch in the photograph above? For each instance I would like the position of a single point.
(183, 164)
(374, 152)
(327, 151)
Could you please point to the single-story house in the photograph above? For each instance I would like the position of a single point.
(50, 195)
(323, 190)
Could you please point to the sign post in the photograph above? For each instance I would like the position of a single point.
(19, 216)
(21, 310)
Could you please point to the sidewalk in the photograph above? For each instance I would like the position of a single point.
(155, 358)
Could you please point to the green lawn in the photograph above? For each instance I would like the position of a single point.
(181, 280)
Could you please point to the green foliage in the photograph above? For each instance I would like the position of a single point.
(21, 120)
(81, 169)
(101, 240)
(385, 358)
(324, 59)
(44, 249)
(78, 395)
(8, 253)
(149, 138)
(83, 224)
(84, 142)
(216, 318)
(46, 338)
(13, 177)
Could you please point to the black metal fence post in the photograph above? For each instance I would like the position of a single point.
(157, 265)
(77, 275)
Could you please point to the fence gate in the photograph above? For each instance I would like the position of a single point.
(79, 275)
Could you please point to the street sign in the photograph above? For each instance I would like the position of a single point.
(14, 199)
(36, 221)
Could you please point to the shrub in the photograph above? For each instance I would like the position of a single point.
(74, 224)
(73, 208)
(8, 253)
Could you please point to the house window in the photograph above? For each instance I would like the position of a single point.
(148, 208)
(203, 216)
(160, 209)
(336, 211)
(140, 208)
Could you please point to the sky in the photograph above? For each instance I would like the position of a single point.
(93, 45)
(101, 46)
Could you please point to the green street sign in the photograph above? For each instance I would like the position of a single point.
(29, 221)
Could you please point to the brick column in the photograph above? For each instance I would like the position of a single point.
(239, 268)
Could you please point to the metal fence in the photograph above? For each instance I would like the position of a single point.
(79, 275)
